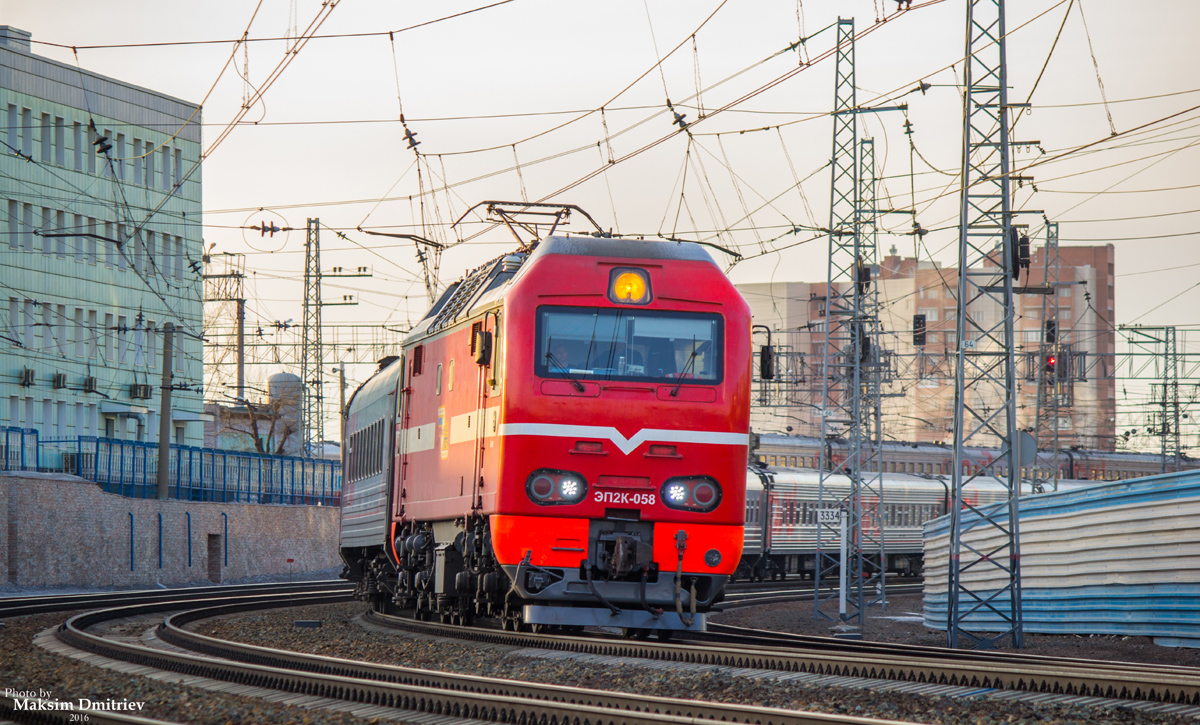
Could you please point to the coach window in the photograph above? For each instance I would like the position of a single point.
(438, 387)
(450, 377)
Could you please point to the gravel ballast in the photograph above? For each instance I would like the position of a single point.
(342, 634)
(901, 622)
(25, 667)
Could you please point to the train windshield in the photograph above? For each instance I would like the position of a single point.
(626, 344)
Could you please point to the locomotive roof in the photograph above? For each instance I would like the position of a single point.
(624, 248)
(486, 282)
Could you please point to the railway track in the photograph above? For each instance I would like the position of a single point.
(387, 691)
(24, 606)
(1177, 689)
(750, 595)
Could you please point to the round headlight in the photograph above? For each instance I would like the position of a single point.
(692, 493)
(541, 487)
(549, 487)
(569, 488)
(704, 494)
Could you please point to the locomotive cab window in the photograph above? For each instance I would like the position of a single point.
(624, 344)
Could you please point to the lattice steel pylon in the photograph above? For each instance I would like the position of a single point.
(1048, 377)
(311, 354)
(984, 573)
(848, 363)
(1170, 400)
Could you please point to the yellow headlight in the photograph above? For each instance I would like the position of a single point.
(630, 287)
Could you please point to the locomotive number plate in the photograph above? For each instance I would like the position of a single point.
(624, 497)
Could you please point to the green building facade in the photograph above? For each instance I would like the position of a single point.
(101, 248)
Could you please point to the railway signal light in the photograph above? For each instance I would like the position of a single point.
(918, 330)
(1050, 334)
(1051, 364)
(766, 363)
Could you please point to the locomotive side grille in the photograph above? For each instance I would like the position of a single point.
(458, 302)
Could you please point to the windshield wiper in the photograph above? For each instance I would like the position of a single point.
(562, 369)
(688, 366)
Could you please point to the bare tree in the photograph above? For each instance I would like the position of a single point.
(266, 424)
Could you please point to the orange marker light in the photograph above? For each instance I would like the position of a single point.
(629, 286)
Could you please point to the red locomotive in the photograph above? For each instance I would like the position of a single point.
(562, 443)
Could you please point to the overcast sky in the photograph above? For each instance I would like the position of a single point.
(327, 129)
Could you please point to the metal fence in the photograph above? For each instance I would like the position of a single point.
(130, 468)
(20, 449)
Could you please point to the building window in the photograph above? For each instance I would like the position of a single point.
(79, 228)
(47, 242)
(12, 326)
(77, 138)
(27, 132)
(79, 333)
(178, 167)
(27, 231)
(149, 164)
(60, 330)
(106, 168)
(122, 340)
(122, 259)
(60, 227)
(151, 344)
(151, 264)
(135, 243)
(137, 161)
(60, 141)
(166, 168)
(14, 225)
(14, 130)
(44, 133)
(91, 241)
(93, 334)
(108, 337)
(47, 325)
(119, 162)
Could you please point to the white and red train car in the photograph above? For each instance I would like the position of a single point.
(562, 443)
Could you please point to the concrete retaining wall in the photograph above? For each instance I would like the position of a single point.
(61, 531)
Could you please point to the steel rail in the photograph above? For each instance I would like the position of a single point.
(743, 635)
(1118, 681)
(459, 696)
(24, 606)
(737, 600)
